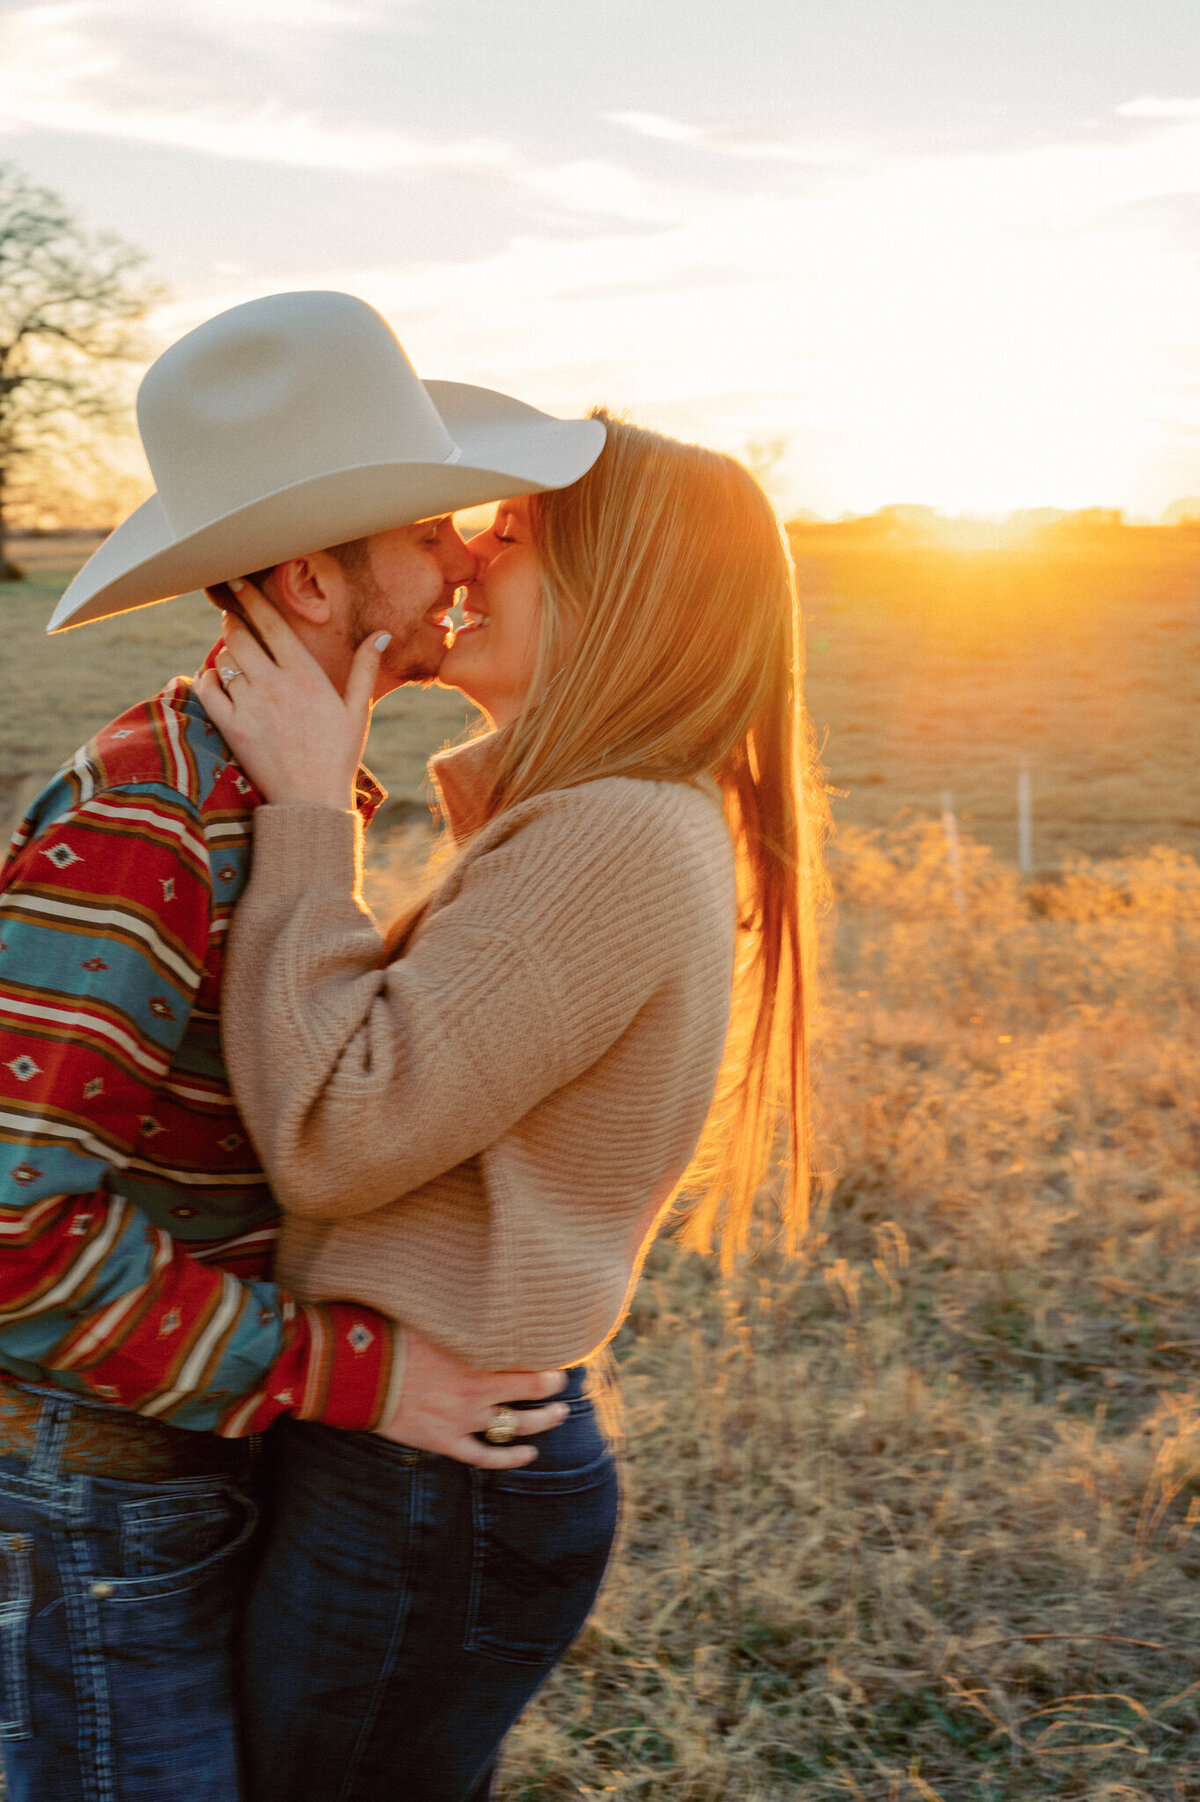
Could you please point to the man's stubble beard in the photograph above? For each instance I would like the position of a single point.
(367, 605)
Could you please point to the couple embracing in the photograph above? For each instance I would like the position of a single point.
(309, 1228)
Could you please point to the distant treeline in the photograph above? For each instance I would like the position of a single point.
(1045, 527)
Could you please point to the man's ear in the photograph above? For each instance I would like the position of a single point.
(304, 588)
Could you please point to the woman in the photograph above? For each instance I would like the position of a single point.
(476, 1124)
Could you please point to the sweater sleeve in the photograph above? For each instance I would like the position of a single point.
(104, 921)
(360, 1083)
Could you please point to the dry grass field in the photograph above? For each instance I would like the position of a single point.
(937, 667)
(917, 1516)
(931, 667)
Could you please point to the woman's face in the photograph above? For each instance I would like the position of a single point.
(493, 655)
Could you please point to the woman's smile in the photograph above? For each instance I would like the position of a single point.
(441, 617)
(474, 616)
(504, 599)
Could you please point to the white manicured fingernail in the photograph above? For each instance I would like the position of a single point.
(237, 587)
(383, 641)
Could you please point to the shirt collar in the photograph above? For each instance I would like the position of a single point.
(369, 795)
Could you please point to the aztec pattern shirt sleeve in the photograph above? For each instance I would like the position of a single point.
(104, 924)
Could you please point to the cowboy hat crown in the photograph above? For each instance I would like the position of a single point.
(296, 422)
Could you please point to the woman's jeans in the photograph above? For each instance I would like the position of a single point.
(409, 1606)
(118, 1611)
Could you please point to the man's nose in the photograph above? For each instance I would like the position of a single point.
(461, 561)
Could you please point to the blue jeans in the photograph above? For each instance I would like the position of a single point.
(118, 1608)
(407, 1608)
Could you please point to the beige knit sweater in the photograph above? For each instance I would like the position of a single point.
(477, 1139)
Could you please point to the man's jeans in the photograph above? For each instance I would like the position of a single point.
(407, 1607)
(118, 1609)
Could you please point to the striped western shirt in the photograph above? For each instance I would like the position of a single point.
(136, 1227)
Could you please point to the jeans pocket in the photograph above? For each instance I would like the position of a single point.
(541, 1542)
(176, 1539)
(16, 1604)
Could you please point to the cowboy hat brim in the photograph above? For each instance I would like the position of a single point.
(504, 448)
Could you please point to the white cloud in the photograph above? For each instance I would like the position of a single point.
(1149, 106)
(269, 134)
(603, 187)
(58, 77)
(654, 125)
(225, 17)
(756, 144)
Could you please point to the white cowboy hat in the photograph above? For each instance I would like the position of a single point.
(296, 422)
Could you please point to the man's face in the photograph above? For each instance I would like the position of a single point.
(407, 590)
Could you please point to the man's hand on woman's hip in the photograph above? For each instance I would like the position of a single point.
(444, 1403)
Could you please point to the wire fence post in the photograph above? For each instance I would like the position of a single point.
(953, 852)
(1024, 821)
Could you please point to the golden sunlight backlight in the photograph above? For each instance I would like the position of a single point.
(978, 333)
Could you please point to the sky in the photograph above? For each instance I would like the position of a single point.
(925, 251)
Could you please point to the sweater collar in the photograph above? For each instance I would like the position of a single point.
(463, 775)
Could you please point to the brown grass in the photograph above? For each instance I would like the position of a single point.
(936, 668)
(918, 1517)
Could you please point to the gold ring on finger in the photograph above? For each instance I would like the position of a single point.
(502, 1427)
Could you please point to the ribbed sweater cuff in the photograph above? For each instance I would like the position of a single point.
(303, 845)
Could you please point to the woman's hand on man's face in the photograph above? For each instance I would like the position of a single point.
(291, 731)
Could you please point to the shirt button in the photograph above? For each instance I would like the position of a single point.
(102, 1591)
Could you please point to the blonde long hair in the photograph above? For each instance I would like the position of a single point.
(670, 649)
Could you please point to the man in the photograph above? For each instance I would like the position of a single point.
(142, 1343)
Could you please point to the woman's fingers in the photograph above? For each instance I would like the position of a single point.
(276, 634)
(521, 1385)
(469, 1449)
(491, 1457)
(257, 634)
(526, 1422)
(235, 620)
(242, 650)
(539, 1420)
(364, 674)
(212, 697)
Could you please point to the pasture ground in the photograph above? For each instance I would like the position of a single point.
(917, 1516)
(1076, 650)
(916, 1519)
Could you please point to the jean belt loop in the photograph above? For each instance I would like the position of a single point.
(52, 1426)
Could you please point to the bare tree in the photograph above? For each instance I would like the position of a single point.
(68, 306)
